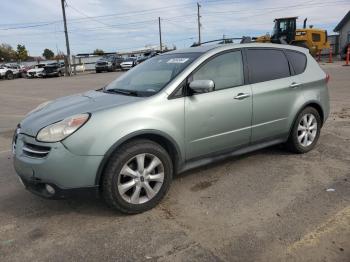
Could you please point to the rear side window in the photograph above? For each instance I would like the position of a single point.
(298, 61)
(266, 64)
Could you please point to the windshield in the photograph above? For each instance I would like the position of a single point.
(152, 75)
(107, 58)
(129, 59)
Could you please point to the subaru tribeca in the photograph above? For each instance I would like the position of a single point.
(171, 113)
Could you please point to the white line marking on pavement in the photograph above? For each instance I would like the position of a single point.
(6, 151)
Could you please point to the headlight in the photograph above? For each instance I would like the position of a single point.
(41, 106)
(60, 130)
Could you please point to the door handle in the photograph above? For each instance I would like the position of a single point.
(294, 85)
(241, 96)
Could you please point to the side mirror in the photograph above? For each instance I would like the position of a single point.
(202, 86)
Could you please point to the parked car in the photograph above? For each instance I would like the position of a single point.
(173, 112)
(36, 71)
(108, 63)
(53, 69)
(146, 56)
(8, 71)
(128, 63)
(80, 68)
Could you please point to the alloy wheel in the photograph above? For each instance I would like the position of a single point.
(307, 130)
(141, 178)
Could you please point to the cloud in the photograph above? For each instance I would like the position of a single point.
(119, 25)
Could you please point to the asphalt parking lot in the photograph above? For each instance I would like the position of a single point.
(269, 205)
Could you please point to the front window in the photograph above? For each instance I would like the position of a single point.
(225, 70)
(152, 75)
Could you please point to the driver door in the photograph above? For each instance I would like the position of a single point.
(219, 120)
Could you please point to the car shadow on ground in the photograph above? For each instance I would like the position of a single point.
(272, 151)
(23, 203)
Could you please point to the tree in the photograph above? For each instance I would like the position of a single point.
(7, 53)
(59, 56)
(22, 53)
(48, 54)
(98, 52)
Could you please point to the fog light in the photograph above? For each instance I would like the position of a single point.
(50, 189)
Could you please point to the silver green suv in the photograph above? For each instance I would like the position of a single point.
(171, 113)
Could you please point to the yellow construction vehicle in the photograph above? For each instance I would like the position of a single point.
(285, 32)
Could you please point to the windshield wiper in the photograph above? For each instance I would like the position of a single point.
(122, 91)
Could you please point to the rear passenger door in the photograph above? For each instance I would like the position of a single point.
(274, 90)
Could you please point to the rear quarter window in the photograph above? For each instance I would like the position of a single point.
(267, 64)
(297, 60)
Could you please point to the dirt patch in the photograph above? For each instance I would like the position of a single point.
(36, 234)
(344, 113)
(203, 185)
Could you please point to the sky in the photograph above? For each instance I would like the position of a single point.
(124, 25)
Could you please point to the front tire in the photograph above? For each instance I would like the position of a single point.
(137, 176)
(9, 75)
(305, 132)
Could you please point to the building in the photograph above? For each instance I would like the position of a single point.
(343, 28)
(334, 43)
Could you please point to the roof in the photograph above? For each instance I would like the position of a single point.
(222, 47)
(282, 18)
(345, 19)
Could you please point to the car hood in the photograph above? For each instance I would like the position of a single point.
(127, 63)
(64, 107)
(36, 70)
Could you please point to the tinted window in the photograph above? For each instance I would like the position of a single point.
(298, 61)
(225, 70)
(267, 64)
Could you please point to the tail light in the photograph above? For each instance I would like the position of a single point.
(327, 78)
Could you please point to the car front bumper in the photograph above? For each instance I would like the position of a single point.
(126, 67)
(40, 164)
(103, 68)
(50, 74)
(36, 74)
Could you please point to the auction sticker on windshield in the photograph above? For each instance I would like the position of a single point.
(177, 60)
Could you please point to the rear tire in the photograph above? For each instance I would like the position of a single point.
(143, 164)
(305, 132)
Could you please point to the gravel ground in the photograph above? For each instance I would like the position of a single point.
(269, 205)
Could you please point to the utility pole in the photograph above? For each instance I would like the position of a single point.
(67, 64)
(160, 35)
(199, 24)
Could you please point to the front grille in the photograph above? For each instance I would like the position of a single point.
(35, 151)
(50, 70)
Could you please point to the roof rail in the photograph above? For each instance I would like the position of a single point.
(244, 39)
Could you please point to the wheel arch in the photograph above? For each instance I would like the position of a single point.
(163, 139)
(314, 104)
